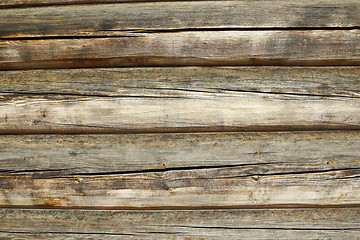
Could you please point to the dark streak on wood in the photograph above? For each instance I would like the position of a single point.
(108, 19)
(316, 48)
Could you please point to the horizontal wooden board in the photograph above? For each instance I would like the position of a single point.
(181, 170)
(114, 19)
(195, 188)
(179, 100)
(326, 47)
(319, 223)
(63, 155)
(184, 81)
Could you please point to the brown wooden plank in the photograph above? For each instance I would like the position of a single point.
(114, 19)
(315, 223)
(196, 188)
(184, 81)
(179, 100)
(187, 48)
(181, 170)
(61, 155)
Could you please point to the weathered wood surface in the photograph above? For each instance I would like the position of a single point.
(321, 47)
(36, 3)
(150, 182)
(179, 100)
(186, 170)
(184, 81)
(323, 223)
(262, 153)
(114, 19)
(241, 186)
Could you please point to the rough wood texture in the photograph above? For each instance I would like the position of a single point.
(179, 100)
(113, 19)
(180, 185)
(185, 81)
(187, 48)
(36, 3)
(326, 223)
(59, 155)
(196, 188)
(181, 170)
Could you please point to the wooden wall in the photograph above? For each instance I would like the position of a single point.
(179, 119)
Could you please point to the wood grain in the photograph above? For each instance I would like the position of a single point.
(179, 100)
(181, 170)
(36, 3)
(320, 223)
(196, 188)
(187, 48)
(59, 155)
(114, 19)
(184, 81)
(257, 185)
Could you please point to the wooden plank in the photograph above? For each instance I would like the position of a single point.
(60, 155)
(187, 170)
(242, 186)
(317, 223)
(321, 81)
(114, 19)
(187, 48)
(179, 100)
(184, 81)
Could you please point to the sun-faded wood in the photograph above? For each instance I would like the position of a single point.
(113, 19)
(179, 100)
(323, 47)
(168, 82)
(314, 223)
(62, 155)
(274, 182)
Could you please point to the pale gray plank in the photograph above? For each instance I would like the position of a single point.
(179, 100)
(323, 223)
(227, 111)
(264, 153)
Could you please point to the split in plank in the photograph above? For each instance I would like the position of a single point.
(186, 170)
(308, 223)
(259, 153)
(340, 47)
(184, 81)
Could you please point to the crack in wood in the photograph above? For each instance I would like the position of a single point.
(260, 228)
(175, 30)
(20, 94)
(167, 169)
(82, 233)
(291, 173)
